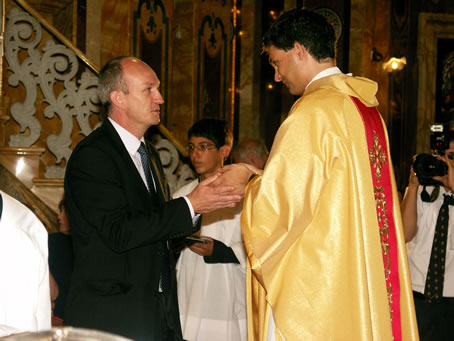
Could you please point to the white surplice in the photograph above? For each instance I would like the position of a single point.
(24, 286)
(212, 297)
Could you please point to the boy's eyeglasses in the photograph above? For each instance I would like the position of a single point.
(202, 147)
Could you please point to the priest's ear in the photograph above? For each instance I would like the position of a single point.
(301, 50)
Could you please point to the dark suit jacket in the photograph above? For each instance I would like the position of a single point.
(118, 229)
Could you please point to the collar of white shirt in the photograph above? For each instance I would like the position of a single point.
(131, 142)
(325, 73)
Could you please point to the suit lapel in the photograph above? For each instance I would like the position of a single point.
(162, 189)
(118, 145)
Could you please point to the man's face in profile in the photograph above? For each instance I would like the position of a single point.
(287, 66)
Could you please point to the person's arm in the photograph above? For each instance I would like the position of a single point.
(210, 195)
(221, 254)
(409, 210)
(54, 290)
(100, 190)
(214, 251)
(104, 195)
(237, 175)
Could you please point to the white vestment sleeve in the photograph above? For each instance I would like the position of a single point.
(24, 288)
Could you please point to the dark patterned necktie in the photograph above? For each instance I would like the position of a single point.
(146, 169)
(433, 290)
(164, 276)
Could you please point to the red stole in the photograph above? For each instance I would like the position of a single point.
(381, 177)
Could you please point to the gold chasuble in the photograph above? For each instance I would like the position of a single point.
(322, 225)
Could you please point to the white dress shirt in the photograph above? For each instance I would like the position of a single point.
(420, 247)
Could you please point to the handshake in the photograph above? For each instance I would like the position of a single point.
(236, 175)
(224, 189)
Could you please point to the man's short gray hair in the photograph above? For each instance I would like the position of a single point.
(110, 79)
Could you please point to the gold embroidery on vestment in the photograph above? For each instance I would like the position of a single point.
(377, 157)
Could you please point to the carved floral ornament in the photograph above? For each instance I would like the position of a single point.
(54, 65)
(377, 158)
(54, 71)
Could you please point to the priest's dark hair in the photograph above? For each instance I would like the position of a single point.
(310, 29)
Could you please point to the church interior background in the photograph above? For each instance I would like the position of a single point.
(207, 54)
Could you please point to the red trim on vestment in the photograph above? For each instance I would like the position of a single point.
(381, 177)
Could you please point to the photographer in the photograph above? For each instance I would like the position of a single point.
(428, 221)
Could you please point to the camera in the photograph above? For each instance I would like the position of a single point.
(427, 166)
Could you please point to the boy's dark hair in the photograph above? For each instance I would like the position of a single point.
(310, 29)
(214, 130)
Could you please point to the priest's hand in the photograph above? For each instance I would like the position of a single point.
(236, 175)
(206, 198)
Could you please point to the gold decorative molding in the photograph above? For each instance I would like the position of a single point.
(22, 162)
(431, 27)
(40, 182)
(50, 191)
(13, 186)
(29, 151)
(51, 7)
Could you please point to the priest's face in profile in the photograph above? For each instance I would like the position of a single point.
(288, 68)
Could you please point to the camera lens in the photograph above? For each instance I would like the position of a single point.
(427, 166)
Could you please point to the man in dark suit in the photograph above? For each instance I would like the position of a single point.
(122, 221)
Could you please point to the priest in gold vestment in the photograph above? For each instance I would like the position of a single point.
(322, 224)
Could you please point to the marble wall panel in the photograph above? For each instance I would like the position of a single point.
(116, 29)
(93, 31)
(249, 115)
(182, 116)
(364, 36)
